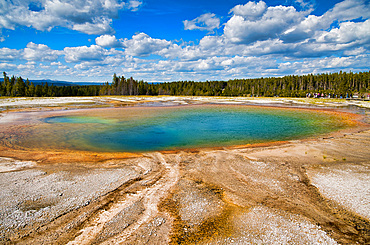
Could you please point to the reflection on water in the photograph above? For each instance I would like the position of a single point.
(150, 129)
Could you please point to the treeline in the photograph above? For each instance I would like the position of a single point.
(18, 87)
(339, 84)
(336, 84)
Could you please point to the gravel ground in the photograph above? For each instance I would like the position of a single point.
(9, 164)
(196, 203)
(349, 185)
(14, 103)
(262, 225)
(32, 197)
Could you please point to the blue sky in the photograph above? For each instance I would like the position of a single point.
(166, 40)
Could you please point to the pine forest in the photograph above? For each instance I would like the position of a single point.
(334, 85)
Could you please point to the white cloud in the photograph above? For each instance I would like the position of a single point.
(56, 63)
(250, 10)
(44, 66)
(344, 11)
(39, 52)
(354, 52)
(302, 30)
(347, 32)
(84, 53)
(27, 66)
(9, 54)
(284, 31)
(143, 45)
(205, 22)
(7, 66)
(238, 61)
(348, 36)
(97, 26)
(271, 24)
(91, 17)
(327, 64)
(347, 10)
(208, 42)
(306, 4)
(134, 5)
(107, 41)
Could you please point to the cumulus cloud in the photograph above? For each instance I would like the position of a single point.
(97, 26)
(7, 54)
(134, 5)
(84, 53)
(344, 11)
(91, 17)
(251, 23)
(143, 45)
(354, 52)
(28, 66)
(205, 22)
(303, 30)
(278, 33)
(250, 10)
(327, 64)
(107, 41)
(7, 66)
(39, 52)
(347, 10)
(259, 30)
(347, 32)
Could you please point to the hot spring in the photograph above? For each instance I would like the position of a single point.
(141, 129)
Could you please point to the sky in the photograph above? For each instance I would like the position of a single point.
(167, 40)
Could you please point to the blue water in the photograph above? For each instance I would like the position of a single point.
(193, 127)
(79, 120)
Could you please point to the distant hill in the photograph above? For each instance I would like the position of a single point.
(58, 83)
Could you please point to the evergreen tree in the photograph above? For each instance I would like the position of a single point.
(19, 88)
(335, 84)
(30, 90)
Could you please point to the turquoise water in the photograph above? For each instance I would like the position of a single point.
(191, 127)
(79, 120)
